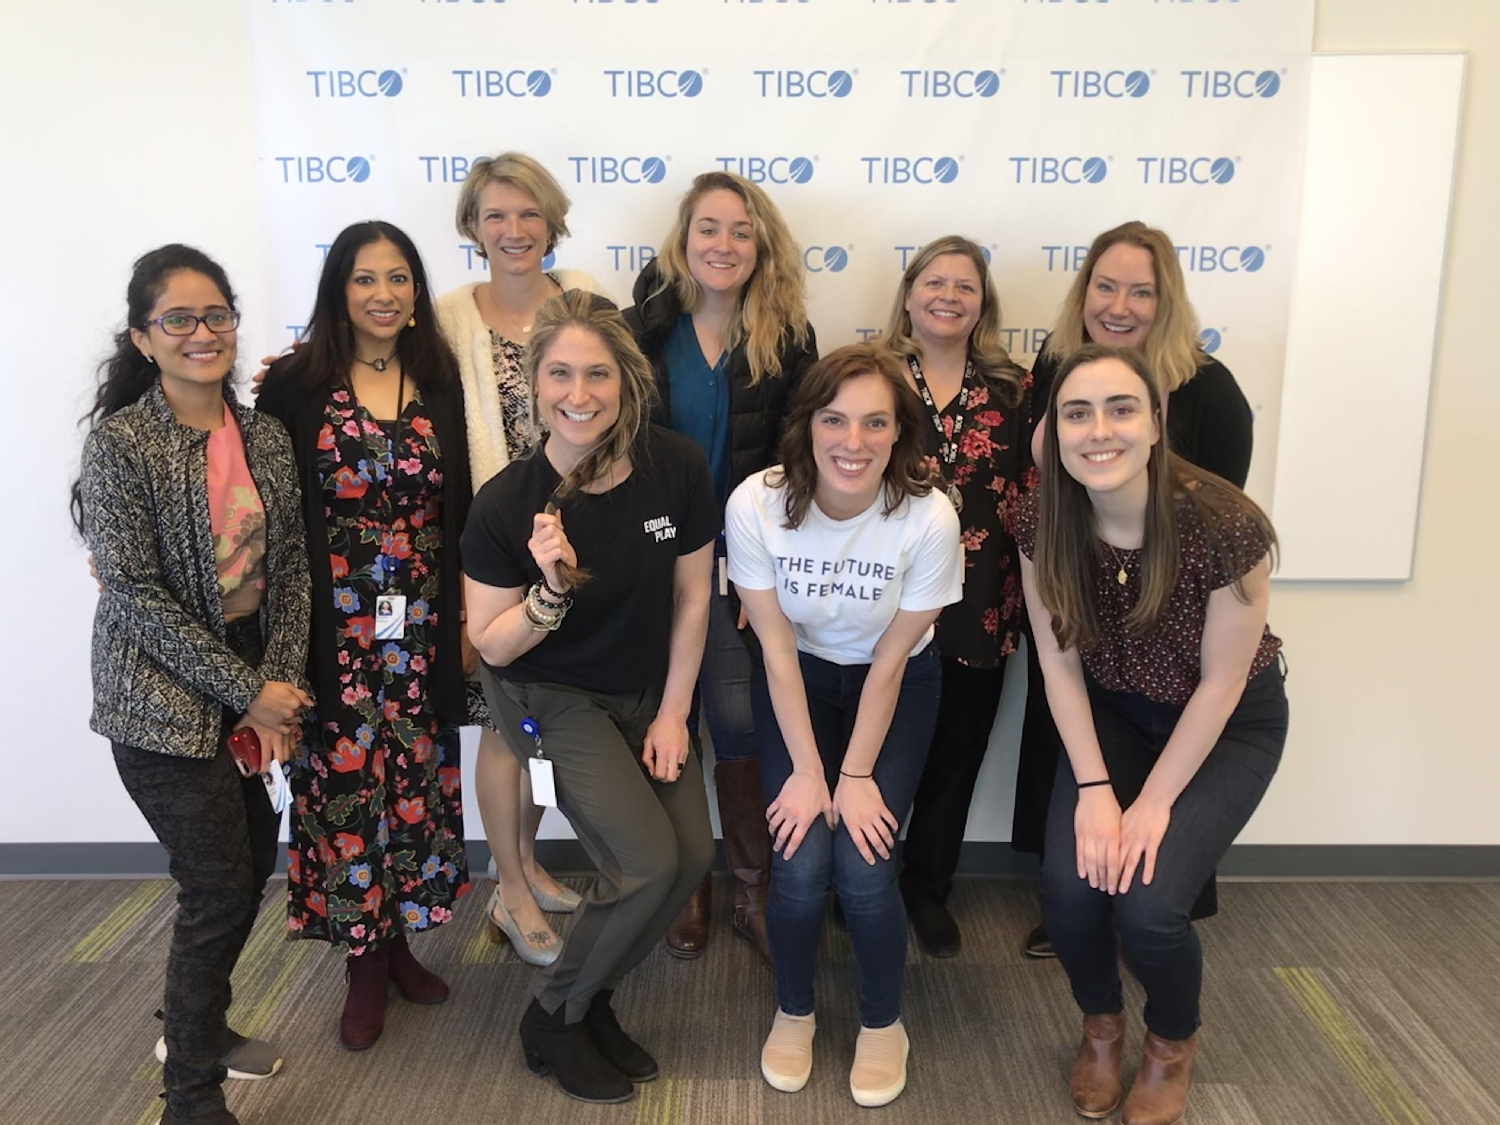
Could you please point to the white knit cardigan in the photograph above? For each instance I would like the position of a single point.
(469, 337)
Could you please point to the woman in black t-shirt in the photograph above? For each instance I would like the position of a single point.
(1147, 581)
(588, 567)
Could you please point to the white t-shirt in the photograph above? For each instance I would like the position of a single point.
(840, 582)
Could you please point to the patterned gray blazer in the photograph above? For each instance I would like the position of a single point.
(162, 671)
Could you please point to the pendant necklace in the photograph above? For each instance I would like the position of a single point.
(947, 443)
(379, 363)
(1120, 576)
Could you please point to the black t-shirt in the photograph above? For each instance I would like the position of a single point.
(1209, 421)
(616, 638)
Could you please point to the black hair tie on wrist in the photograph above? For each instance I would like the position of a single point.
(858, 776)
(1091, 784)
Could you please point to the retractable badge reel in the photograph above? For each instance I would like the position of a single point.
(543, 788)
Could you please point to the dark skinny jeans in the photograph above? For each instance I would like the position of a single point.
(827, 858)
(1160, 944)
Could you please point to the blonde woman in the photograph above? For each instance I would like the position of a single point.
(515, 212)
(721, 315)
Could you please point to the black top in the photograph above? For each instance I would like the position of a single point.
(755, 413)
(993, 471)
(1209, 422)
(615, 640)
(301, 410)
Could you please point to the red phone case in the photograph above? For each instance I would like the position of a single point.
(244, 747)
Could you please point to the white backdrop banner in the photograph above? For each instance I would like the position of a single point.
(876, 125)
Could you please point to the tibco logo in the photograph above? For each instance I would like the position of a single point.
(655, 83)
(631, 258)
(910, 169)
(826, 259)
(446, 169)
(1060, 169)
(1065, 259)
(769, 169)
(323, 169)
(805, 83)
(1102, 83)
(1024, 341)
(618, 169)
(504, 83)
(1186, 169)
(1222, 259)
(474, 261)
(1233, 83)
(356, 83)
(1210, 339)
(907, 251)
(952, 83)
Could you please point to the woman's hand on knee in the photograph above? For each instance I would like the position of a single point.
(803, 798)
(857, 803)
(1141, 830)
(665, 748)
(1096, 827)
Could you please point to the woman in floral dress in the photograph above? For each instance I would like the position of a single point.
(372, 401)
(945, 328)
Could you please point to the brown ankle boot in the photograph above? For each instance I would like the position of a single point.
(1159, 1094)
(747, 847)
(687, 937)
(364, 1007)
(1094, 1084)
(415, 981)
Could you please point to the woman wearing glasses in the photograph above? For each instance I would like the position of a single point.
(375, 412)
(189, 504)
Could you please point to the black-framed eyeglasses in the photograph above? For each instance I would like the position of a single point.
(185, 324)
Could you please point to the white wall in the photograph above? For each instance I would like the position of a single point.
(1392, 738)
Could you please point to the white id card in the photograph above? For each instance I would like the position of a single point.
(543, 791)
(390, 617)
(723, 577)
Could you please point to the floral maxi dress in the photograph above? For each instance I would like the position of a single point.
(377, 821)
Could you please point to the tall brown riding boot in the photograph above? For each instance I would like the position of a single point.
(1159, 1094)
(747, 848)
(1094, 1084)
(687, 937)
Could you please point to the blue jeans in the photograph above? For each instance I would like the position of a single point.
(1154, 921)
(828, 858)
(723, 691)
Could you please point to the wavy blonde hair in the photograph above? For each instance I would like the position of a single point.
(1171, 348)
(773, 303)
(986, 352)
(522, 173)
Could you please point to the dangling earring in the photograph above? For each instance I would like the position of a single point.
(151, 359)
(411, 321)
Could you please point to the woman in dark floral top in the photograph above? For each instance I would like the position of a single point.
(945, 328)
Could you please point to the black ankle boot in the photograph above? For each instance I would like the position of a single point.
(565, 1051)
(623, 1053)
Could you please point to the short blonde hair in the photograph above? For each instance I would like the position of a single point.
(522, 173)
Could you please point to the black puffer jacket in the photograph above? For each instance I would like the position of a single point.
(755, 412)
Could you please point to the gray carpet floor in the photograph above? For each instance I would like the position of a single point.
(1324, 1004)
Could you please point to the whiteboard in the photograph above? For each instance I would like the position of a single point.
(1382, 135)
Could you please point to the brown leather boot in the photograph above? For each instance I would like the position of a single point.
(747, 848)
(416, 982)
(687, 937)
(1159, 1094)
(364, 1007)
(1094, 1084)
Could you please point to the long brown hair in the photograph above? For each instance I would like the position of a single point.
(577, 308)
(1068, 552)
(906, 474)
(1171, 347)
(773, 302)
(986, 352)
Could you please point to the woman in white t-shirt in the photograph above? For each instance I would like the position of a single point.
(843, 556)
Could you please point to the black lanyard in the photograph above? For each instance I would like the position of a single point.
(947, 443)
(382, 460)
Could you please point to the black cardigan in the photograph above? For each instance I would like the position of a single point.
(756, 412)
(1209, 422)
(301, 411)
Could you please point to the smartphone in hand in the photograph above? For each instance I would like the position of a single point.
(244, 748)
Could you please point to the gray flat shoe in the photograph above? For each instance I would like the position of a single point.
(247, 1060)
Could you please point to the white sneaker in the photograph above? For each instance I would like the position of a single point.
(248, 1060)
(786, 1058)
(879, 1072)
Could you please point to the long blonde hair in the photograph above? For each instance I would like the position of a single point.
(1171, 348)
(986, 352)
(773, 303)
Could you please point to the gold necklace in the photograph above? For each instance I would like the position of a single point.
(1120, 576)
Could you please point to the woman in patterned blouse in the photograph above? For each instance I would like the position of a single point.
(945, 330)
(1147, 580)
